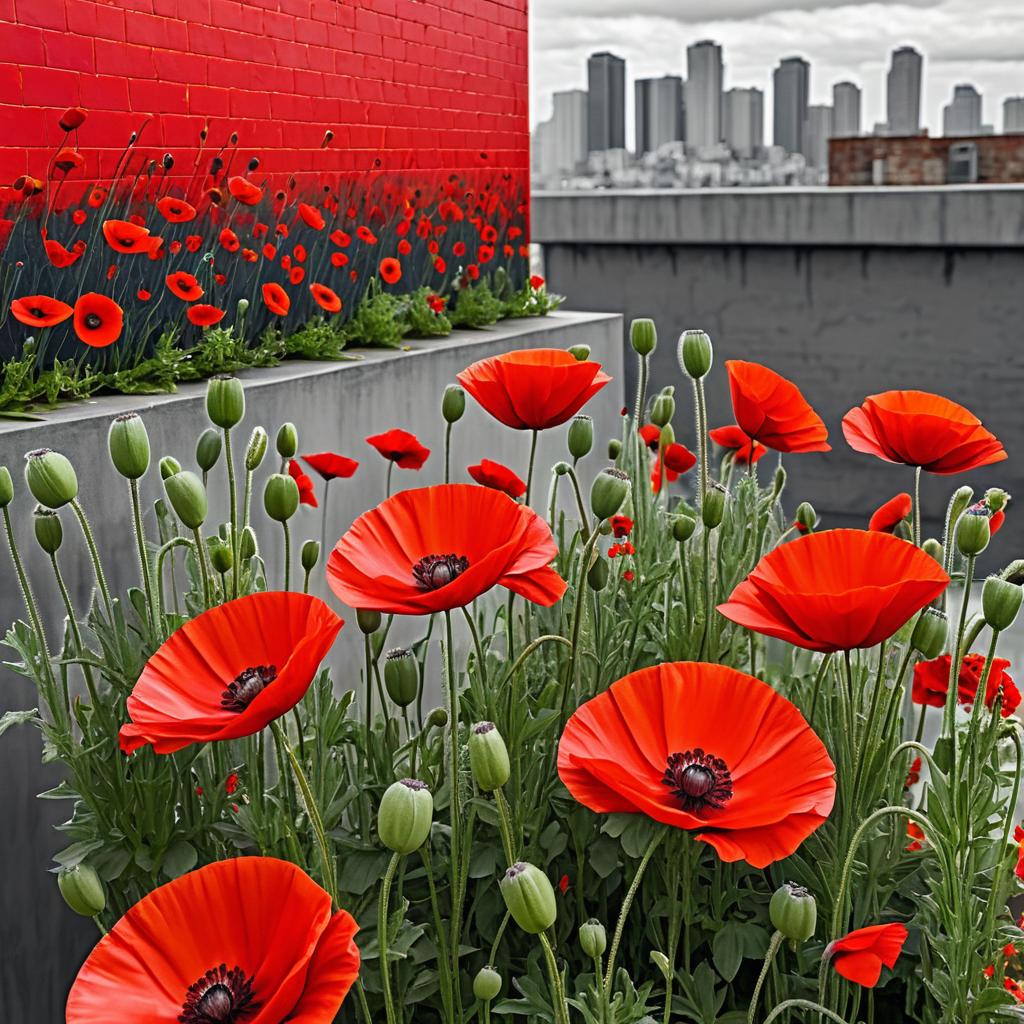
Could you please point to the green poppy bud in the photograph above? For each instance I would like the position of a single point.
(806, 517)
(529, 897)
(1014, 572)
(242, 306)
(643, 336)
(683, 527)
(405, 815)
(614, 448)
(793, 912)
(208, 448)
(225, 401)
(221, 557)
(581, 436)
(561, 468)
(779, 483)
(996, 499)
(695, 353)
(48, 529)
(487, 984)
(1000, 602)
(187, 495)
(168, 466)
(247, 546)
(581, 353)
(128, 444)
(368, 620)
(437, 719)
(310, 555)
(930, 633)
(280, 497)
(6, 487)
(593, 939)
(50, 477)
(933, 549)
(962, 497)
(663, 408)
(609, 492)
(82, 890)
(401, 676)
(488, 757)
(597, 576)
(287, 441)
(453, 403)
(256, 449)
(972, 531)
(712, 509)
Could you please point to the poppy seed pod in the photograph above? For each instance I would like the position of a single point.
(168, 466)
(930, 633)
(1000, 602)
(643, 336)
(208, 449)
(48, 529)
(973, 531)
(256, 449)
(933, 549)
(712, 509)
(695, 353)
(487, 984)
(401, 676)
(683, 527)
(221, 557)
(793, 912)
(453, 403)
(225, 401)
(581, 353)
(310, 555)
(806, 517)
(6, 487)
(281, 497)
(609, 492)
(368, 620)
(128, 444)
(614, 448)
(82, 890)
(488, 757)
(593, 938)
(50, 477)
(287, 441)
(529, 897)
(405, 815)
(581, 436)
(187, 495)
(247, 546)
(663, 408)
(597, 575)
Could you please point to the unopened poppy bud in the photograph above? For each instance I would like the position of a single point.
(529, 897)
(488, 757)
(6, 487)
(683, 527)
(256, 449)
(593, 938)
(405, 815)
(401, 676)
(187, 495)
(453, 403)
(310, 555)
(996, 499)
(561, 468)
(793, 912)
(221, 557)
(50, 477)
(973, 531)
(609, 492)
(962, 497)
(806, 517)
(242, 307)
(82, 890)
(287, 441)
(281, 497)
(663, 408)
(1000, 602)
(933, 549)
(695, 353)
(643, 336)
(581, 353)
(247, 546)
(128, 444)
(597, 575)
(1014, 572)
(48, 529)
(437, 719)
(712, 509)
(487, 984)
(666, 437)
(614, 448)
(225, 401)
(581, 436)
(779, 483)
(930, 633)
(208, 449)
(168, 466)
(368, 620)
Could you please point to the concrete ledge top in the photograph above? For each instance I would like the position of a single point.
(975, 216)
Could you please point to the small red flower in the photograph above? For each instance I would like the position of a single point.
(404, 248)
(916, 836)
(931, 683)
(276, 299)
(622, 526)
(744, 449)
(244, 190)
(61, 257)
(231, 784)
(563, 884)
(390, 270)
(229, 240)
(282, 230)
(888, 516)
(307, 493)
(193, 242)
(97, 197)
(296, 274)
(536, 281)
(401, 447)
(339, 259)
(326, 298)
(311, 216)
(489, 234)
(269, 251)
(249, 255)
(437, 304)
(124, 236)
(175, 211)
(341, 238)
(459, 249)
(40, 311)
(629, 576)
(143, 296)
(98, 320)
(501, 478)
(364, 234)
(1018, 838)
(860, 955)
(72, 118)
(299, 252)
(79, 217)
(439, 265)
(68, 160)
(914, 775)
(330, 466)
(203, 315)
(473, 272)
(184, 286)
(485, 254)
(678, 459)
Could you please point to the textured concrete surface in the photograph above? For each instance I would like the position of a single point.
(335, 406)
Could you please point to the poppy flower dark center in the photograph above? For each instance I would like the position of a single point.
(698, 780)
(247, 686)
(220, 996)
(92, 321)
(37, 312)
(435, 571)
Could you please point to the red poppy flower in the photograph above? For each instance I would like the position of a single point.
(143, 296)
(914, 775)
(72, 118)
(282, 230)
(390, 270)
(312, 216)
(40, 311)
(98, 320)
(124, 236)
(193, 242)
(276, 299)
(622, 526)
(229, 240)
(97, 197)
(269, 251)
(299, 252)
(439, 265)
(330, 466)
(296, 274)
(249, 255)
(231, 784)
(230, 671)
(175, 211)
(364, 234)
(931, 683)
(889, 515)
(678, 459)
(536, 281)
(404, 248)
(667, 742)
(203, 315)
(744, 449)
(326, 298)
(836, 590)
(916, 836)
(485, 254)
(1018, 837)
(919, 429)
(339, 259)
(995, 522)
(68, 160)
(401, 447)
(459, 249)
(61, 257)
(436, 548)
(859, 956)
(307, 492)
(770, 409)
(185, 286)
(79, 217)
(247, 938)
(501, 478)
(341, 238)
(473, 272)
(533, 389)
(244, 190)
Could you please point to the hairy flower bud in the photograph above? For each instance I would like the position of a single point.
(187, 495)
(793, 912)
(996, 499)
(593, 938)
(405, 815)
(597, 574)
(930, 633)
(561, 468)
(962, 497)
(488, 757)
(368, 620)
(50, 477)
(643, 336)
(208, 448)
(695, 353)
(973, 531)
(287, 441)
(453, 403)
(806, 517)
(683, 526)
(933, 549)
(221, 557)
(487, 984)
(48, 529)
(712, 509)
(128, 444)
(581, 353)
(614, 448)
(609, 492)
(256, 449)
(401, 676)
(529, 897)
(779, 483)
(82, 890)
(581, 436)
(1000, 602)
(6, 487)
(310, 555)
(247, 546)
(437, 719)
(280, 497)
(225, 401)
(168, 466)
(664, 407)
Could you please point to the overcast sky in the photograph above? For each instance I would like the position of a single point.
(978, 41)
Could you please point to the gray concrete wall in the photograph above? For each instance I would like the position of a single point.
(846, 291)
(335, 406)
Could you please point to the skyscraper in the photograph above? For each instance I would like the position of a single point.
(1013, 114)
(743, 118)
(845, 110)
(704, 93)
(817, 132)
(791, 85)
(903, 92)
(659, 112)
(570, 129)
(606, 102)
(962, 115)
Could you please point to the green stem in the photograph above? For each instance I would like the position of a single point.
(769, 958)
(917, 506)
(382, 937)
(164, 551)
(387, 485)
(204, 570)
(140, 540)
(76, 633)
(949, 711)
(447, 453)
(229, 461)
(505, 825)
(90, 542)
(287, 555)
(453, 796)
(555, 979)
(802, 1004)
(822, 669)
(581, 508)
(534, 434)
(702, 438)
(995, 900)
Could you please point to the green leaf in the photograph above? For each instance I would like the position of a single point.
(19, 718)
(180, 858)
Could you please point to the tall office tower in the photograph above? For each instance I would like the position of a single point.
(743, 116)
(845, 110)
(817, 132)
(791, 85)
(1013, 114)
(962, 115)
(903, 92)
(569, 120)
(704, 94)
(659, 112)
(606, 102)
